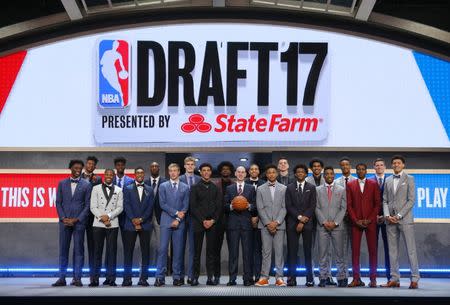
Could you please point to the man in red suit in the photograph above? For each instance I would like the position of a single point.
(363, 205)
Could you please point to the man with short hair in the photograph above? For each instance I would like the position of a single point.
(73, 198)
(398, 202)
(316, 167)
(283, 170)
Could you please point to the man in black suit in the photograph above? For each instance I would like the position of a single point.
(254, 180)
(205, 205)
(155, 181)
(300, 205)
(239, 227)
(283, 170)
(93, 179)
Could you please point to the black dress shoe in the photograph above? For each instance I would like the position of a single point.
(343, 283)
(112, 284)
(72, 283)
(216, 281)
(210, 282)
(94, 283)
(189, 281)
(330, 282)
(194, 282)
(159, 283)
(77, 283)
(231, 283)
(291, 282)
(178, 282)
(143, 283)
(127, 283)
(323, 283)
(59, 283)
(310, 284)
(107, 282)
(248, 283)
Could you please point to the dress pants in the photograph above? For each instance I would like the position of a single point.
(65, 236)
(89, 242)
(293, 241)
(156, 232)
(257, 253)
(189, 238)
(129, 238)
(233, 239)
(387, 264)
(272, 243)
(336, 238)
(100, 235)
(371, 237)
(394, 231)
(178, 244)
(221, 231)
(347, 226)
(211, 251)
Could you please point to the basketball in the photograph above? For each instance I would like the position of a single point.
(123, 74)
(239, 203)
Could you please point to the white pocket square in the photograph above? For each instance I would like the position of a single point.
(307, 191)
(403, 183)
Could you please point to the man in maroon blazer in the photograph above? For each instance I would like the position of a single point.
(363, 205)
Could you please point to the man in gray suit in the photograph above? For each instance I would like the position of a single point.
(330, 210)
(106, 205)
(398, 201)
(270, 202)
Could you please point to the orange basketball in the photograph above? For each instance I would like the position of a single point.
(239, 203)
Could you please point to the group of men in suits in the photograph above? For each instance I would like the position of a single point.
(328, 214)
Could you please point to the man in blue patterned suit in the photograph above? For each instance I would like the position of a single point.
(72, 203)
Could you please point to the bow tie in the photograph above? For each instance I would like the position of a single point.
(74, 180)
(140, 184)
(110, 187)
(396, 176)
(272, 184)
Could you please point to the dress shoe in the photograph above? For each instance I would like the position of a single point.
(291, 282)
(356, 283)
(106, 282)
(189, 281)
(391, 284)
(257, 278)
(216, 281)
(248, 283)
(112, 284)
(77, 283)
(210, 282)
(178, 282)
(127, 283)
(72, 283)
(143, 283)
(323, 283)
(194, 282)
(94, 283)
(231, 283)
(264, 282)
(59, 283)
(159, 283)
(280, 282)
(373, 284)
(413, 285)
(343, 283)
(309, 284)
(330, 282)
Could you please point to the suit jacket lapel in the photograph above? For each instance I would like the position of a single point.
(77, 188)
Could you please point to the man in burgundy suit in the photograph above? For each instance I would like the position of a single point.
(363, 205)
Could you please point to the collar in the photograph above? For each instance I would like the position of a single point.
(378, 177)
(240, 183)
(302, 184)
(332, 184)
(253, 180)
(175, 181)
(362, 181)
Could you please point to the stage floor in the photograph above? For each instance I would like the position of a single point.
(41, 287)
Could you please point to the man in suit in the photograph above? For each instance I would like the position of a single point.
(380, 178)
(155, 181)
(330, 210)
(301, 207)
(398, 202)
(122, 181)
(190, 178)
(138, 210)
(240, 227)
(93, 179)
(346, 167)
(205, 206)
(225, 169)
(316, 167)
(254, 180)
(270, 202)
(363, 205)
(72, 204)
(106, 206)
(174, 202)
(283, 169)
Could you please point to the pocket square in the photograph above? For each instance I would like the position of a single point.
(307, 191)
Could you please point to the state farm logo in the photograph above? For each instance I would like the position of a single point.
(196, 123)
(252, 124)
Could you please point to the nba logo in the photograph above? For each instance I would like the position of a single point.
(113, 73)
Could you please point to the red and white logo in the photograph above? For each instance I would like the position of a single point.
(196, 123)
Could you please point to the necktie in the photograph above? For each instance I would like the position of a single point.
(346, 180)
(396, 176)
(329, 193)
(154, 186)
(174, 187)
(191, 181)
(240, 190)
(380, 182)
(119, 184)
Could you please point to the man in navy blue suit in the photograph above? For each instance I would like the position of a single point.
(72, 203)
(240, 227)
(379, 177)
(190, 178)
(138, 210)
(174, 202)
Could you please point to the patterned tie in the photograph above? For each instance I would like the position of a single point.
(74, 180)
(380, 182)
(174, 187)
(191, 181)
(329, 193)
(240, 190)
(154, 186)
(119, 184)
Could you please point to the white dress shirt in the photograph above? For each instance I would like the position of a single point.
(361, 184)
